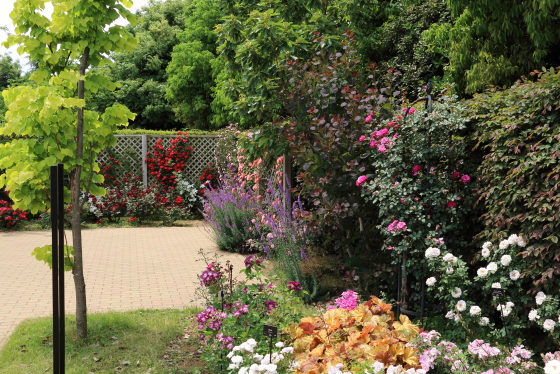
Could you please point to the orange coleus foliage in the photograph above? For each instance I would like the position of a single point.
(367, 333)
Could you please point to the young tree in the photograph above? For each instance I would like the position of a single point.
(49, 119)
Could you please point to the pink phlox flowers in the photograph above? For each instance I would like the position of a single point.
(428, 358)
(483, 350)
(348, 300)
(361, 180)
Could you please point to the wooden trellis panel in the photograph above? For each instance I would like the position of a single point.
(131, 150)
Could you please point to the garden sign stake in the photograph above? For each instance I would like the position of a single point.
(271, 332)
(57, 223)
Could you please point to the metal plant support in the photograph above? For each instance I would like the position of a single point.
(57, 222)
(423, 304)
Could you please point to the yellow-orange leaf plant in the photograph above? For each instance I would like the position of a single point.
(365, 334)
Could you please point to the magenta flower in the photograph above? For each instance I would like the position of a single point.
(396, 226)
(373, 143)
(401, 226)
(389, 248)
(295, 286)
(369, 118)
(348, 301)
(381, 148)
(270, 304)
(390, 124)
(465, 179)
(455, 175)
(416, 169)
(361, 180)
(411, 111)
(362, 138)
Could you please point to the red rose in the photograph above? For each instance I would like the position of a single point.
(452, 204)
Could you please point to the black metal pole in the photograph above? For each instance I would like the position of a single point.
(61, 256)
(54, 227)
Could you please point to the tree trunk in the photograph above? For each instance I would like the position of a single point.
(78, 270)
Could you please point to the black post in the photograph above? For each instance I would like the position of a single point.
(54, 226)
(57, 222)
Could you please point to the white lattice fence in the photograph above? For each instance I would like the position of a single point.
(131, 150)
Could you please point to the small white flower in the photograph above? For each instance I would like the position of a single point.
(534, 315)
(243, 370)
(482, 272)
(484, 321)
(496, 285)
(279, 345)
(450, 315)
(449, 270)
(233, 366)
(461, 305)
(432, 252)
(506, 260)
(548, 325)
(521, 242)
(236, 359)
(475, 310)
(487, 245)
(456, 293)
(513, 239)
(514, 275)
(485, 252)
(509, 304)
(493, 267)
(378, 367)
(431, 281)
(287, 350)
(504, 244)
(540, 298)
(252, 342)
(552, 367)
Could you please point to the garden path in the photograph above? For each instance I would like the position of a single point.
(124, 268)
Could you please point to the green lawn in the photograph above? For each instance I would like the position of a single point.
(142, 341)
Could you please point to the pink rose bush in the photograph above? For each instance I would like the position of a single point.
(361, 180)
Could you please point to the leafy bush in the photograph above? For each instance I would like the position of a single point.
(517, 129)
(353, 336)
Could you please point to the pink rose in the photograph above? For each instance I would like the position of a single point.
(401, 225)
(381, 148)
(416, 169)
(361, 180)
(362, 138)
(368, 118)
(465, 179)
(455, 175)
(373, 143)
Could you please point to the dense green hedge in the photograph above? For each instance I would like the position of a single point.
(518, 132)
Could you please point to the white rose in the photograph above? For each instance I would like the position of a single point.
(492, 267)
(504, 244)
(513, 239)
(548, 325)
(506, 260)
(456, 293)
(482, 272)
(484, 321)
(449, 270)
(521, 242)
(236, 359)
(432, 252)
(533, 315)
(487, 245)
(496, 285)
(279, 345)
(461, 305)
(552, 367)
(540, 298)
(450, 315)
(431, 281)
(514, 275)
(485, 252)
(475, 310)
(448, 257)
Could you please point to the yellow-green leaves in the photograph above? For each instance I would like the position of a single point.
(45, 254)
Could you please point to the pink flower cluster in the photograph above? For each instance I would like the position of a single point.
(239, 309)
(396, 226)
(361, 180)
(380, 140)
(211, 275)
(464, 178)
(483, 350)
(210, 318)
(410, 111)
(295, 286)
(517, 354)
(349, 300)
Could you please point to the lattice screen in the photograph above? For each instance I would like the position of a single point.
(130, 151)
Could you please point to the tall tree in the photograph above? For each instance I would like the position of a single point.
(10, 74)
(494, 42)
(141, 73)
(79, 34)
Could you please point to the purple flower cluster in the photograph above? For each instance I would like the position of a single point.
(211, 275)
(349, 300)
(239, 309)
(270, 304)
(250, 261)
(227, 341)
(210, 318)
(295, 286)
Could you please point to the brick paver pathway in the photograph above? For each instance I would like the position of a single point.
(124, 268)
